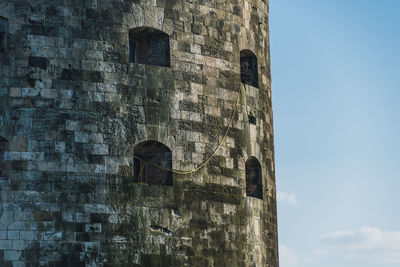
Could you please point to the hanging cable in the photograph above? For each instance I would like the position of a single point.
(215, 151)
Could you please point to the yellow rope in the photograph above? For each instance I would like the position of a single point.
(213, 154)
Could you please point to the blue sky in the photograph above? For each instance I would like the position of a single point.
(336, 99)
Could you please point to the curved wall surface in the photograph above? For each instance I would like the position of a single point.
(76, 108)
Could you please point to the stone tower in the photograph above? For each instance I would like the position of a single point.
(136, 133)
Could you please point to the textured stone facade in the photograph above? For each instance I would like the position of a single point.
(73, 107)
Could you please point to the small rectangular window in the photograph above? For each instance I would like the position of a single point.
(3, 34)
(252, 119)
(2, 42)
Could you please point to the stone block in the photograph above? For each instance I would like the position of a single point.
(50, 236)
(40, 62)
(3, 234)
(26, 235)
(18, 244)
(37, 156)
(72, 125)
(66, 94)
(6, 244)
(30, 92)
(96, 138)
(12, 255)
(18, 143)
(12, 155)
(96, 228)
(48, 93)
(98, 97)
(15, 92)
(17, 225)
(59, 146)
(99, 149)
(23, 125)
(81, 137)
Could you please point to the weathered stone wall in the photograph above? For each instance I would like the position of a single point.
(72, 109)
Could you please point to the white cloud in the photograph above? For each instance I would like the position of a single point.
(289, 198)
(366, 243)
(287, 257)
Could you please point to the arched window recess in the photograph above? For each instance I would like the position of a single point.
(248, 68)
(151, 161)
(149, 46)
(253, 178)
(252, 118)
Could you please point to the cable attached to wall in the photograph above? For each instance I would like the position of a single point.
(212, 155)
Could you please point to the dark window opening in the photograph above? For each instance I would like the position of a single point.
(151, 161)
(2, 42)
(252, 119)
(3, 34)
(253, 178)
(248, 68)
(3, 148)
(149, 46)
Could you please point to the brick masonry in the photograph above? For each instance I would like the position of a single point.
(72, 109)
